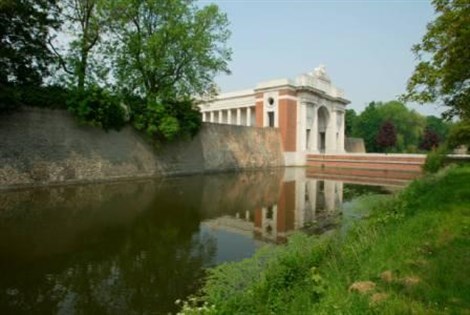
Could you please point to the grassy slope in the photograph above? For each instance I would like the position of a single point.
(421, 236)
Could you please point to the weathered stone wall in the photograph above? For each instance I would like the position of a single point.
(354, 145)
(42, 146)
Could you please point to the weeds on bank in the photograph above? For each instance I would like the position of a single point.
(410, 256)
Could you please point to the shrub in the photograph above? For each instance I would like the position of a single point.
(98, 107)
(166, 120)
(52, 96)
(435, 159)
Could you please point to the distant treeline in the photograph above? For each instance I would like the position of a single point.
(392, 127)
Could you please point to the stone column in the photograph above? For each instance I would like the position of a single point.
(239, 116)
(314, 132)
(212, 116)
(220, 116)
(248, 116)
(229, 117)
(341, 131)
(302, 127)
(331, 133)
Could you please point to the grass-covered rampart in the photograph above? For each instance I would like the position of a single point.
(410, 256)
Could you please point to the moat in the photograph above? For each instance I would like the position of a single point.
(136, 247)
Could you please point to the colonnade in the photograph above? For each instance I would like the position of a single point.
(242, 116)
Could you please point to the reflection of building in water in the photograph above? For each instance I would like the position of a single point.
(301, 200)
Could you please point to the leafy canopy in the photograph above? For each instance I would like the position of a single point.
(443, 72)
(168, 49)
(24, 32)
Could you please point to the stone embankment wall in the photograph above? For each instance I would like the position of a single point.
(42, 146)
(369, 161)
(354, 145)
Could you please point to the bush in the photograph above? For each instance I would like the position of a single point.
(435, 160)
(98, 107)
(52, 96)
(166, 120)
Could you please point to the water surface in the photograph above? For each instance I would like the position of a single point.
(136, 247)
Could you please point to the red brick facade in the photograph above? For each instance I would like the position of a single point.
(288, 123)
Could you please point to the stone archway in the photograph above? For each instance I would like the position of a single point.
(323, 121)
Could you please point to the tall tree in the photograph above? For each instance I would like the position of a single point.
(367, 126)
(443, 72)
(350, 120)
(24, 33)
(87, 23)
(169, 48)
(165, 53)
(387, 136)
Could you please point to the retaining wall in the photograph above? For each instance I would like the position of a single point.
(42, 146)
(408, 163)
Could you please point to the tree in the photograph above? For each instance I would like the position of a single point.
(24, 33)
(350, 120)
(169, 49)
(430, 140)
(87, 22)
(367, 126)
(459, 134)
(443, 72)
(387, 136)
(165, 53)
(439, 126)
(409, 125)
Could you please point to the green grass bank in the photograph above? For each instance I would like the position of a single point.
(410, 255)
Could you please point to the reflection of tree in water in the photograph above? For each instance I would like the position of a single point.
(139, 267)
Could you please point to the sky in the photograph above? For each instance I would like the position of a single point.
(364, 45)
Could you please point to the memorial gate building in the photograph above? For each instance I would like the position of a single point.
(309, 112)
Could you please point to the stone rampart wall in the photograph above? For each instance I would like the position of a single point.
(42, 146)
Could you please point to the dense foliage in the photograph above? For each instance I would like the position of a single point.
(24, 53)
(98, 107)
(443, 72)
(24, 34)
(430, 140)
(168, 49)
(459, 134)
(410, 127)
(387, 136)
(133, 61)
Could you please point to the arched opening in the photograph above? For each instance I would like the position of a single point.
(323, 120)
